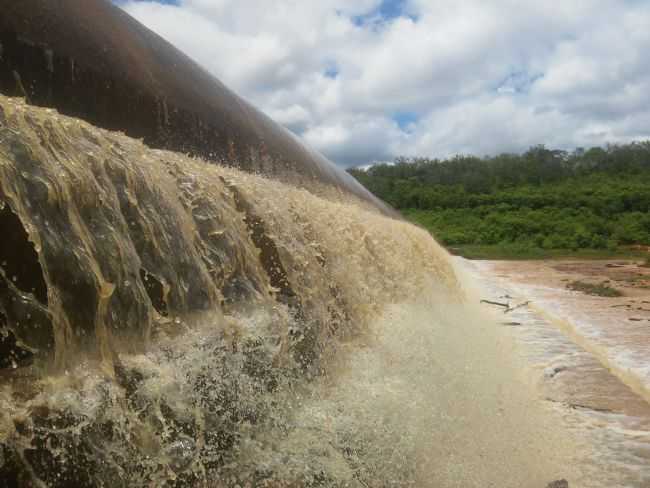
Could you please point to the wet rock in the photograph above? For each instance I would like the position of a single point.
(554, 371)
(558, 484)
(13, 473)
(12, 353)
(156, 291)
(18, 257)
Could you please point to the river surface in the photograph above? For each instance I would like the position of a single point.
(585, 355)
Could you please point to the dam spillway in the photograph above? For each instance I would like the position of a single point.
(178, 323)
(201, 300)
(106, 218)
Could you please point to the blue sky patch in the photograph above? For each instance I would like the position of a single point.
(388, 10)
(405, 119)
(331, 71)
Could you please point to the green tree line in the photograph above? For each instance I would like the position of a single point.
(544, 199)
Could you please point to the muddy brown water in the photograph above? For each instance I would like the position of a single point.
(201, 326)
(585, 355)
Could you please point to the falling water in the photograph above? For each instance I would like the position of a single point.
(166, 322)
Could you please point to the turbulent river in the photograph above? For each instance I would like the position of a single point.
(167, 322)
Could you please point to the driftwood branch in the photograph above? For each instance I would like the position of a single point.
(507, 306)
(499, 304)
(510, 309)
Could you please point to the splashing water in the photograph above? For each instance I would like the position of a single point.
(181, 324)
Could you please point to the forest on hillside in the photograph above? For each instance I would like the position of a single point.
(517, 204)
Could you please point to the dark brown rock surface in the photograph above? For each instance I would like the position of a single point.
(558, 484)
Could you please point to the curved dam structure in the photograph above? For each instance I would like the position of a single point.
(258, 322)
(89, 59)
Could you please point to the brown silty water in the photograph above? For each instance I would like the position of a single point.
(170, 323)
(587, 354)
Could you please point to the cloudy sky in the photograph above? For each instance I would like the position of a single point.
(368, 80)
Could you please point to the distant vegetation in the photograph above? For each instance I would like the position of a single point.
(540, 203)
(599, 290)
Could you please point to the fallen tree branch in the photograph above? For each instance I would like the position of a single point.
(499, 304)
(510, 309)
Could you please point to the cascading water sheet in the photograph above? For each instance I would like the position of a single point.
(181, 324)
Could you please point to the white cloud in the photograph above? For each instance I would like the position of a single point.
(473, 76)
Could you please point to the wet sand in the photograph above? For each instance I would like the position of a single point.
(588, 355)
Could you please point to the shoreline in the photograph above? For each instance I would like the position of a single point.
(615, 329)
(584, 355)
